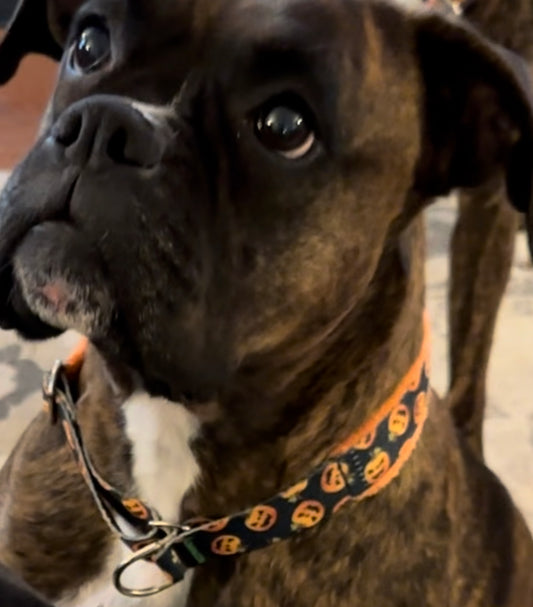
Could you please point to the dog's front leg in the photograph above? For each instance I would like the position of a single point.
(52, 534)
(481, 258)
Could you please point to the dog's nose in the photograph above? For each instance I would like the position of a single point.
(103, 131)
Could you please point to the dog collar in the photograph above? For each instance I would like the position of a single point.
(357, 469)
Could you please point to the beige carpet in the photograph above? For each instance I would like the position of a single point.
(509, 422)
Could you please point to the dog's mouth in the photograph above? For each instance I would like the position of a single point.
(55, 277)
(51, 277)
(91, 239)
(15, 312)
(55, 281)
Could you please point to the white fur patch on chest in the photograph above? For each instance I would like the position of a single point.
(164, 469)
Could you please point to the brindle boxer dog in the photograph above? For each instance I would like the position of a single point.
(226, 200)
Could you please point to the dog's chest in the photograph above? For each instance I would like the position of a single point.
(164, 468)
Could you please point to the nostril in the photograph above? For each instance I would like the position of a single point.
(68, 129)
(105, 132)
(122, 149)
(116, 146)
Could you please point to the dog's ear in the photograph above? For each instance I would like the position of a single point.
(478, 113)
(37, 26)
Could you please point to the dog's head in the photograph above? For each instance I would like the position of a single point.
(218, 181)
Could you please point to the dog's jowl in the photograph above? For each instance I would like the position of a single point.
(225, 200)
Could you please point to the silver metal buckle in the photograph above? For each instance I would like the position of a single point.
(50, 389)
(149, 553)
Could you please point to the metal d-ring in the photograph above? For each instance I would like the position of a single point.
(147, 554)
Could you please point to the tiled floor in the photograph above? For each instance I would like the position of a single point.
(509, 422)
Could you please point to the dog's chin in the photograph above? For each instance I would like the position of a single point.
(56, 282)
(17, 315)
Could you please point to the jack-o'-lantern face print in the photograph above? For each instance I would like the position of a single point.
(226, 545)
(333, 477)
(365, 441)
(261, 518)
(399, 421)
(136, 508)
(308, 514)
(377, 466)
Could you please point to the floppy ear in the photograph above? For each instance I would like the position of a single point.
(38, 26)
(478, 118)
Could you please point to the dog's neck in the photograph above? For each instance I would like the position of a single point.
(246, 454)
(266, 440)
(260, 439)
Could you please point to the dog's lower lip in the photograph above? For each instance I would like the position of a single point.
(15, 314)
(61, 279)
(7, 321)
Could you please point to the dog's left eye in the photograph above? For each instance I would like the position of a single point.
(92, 49)
(286, 129)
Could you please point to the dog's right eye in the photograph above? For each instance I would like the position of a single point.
(284, 125)
(91, 49)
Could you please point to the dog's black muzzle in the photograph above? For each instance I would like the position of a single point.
(53, 219)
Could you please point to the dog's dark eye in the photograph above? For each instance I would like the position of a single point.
(92, 49)
(286, 130)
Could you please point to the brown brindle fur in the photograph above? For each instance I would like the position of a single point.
(482, 246)
(328, 322)
(59, 509)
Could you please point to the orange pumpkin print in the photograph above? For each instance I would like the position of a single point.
(399, 420)
(136, 508)
(217, 525)
(377, 466)
(366, 440)
(293, 492)
(421, 408)
(333, 477)
(308, 514)
(261, 518)
(226, 545)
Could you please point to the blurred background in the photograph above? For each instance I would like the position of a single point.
(6, 8)
(22, 101)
